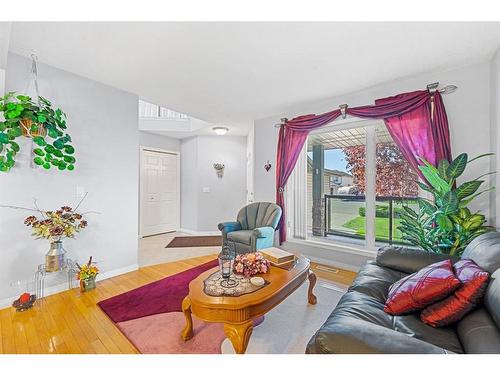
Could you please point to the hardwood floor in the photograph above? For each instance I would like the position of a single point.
(71, 322)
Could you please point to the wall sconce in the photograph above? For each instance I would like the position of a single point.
(267, 166)
(219, 168)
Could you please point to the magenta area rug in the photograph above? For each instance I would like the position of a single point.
(151, 317)
(161, 296)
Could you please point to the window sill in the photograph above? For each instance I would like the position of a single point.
(337, 246)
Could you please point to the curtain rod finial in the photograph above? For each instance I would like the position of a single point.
(448, 89)
(432, 88)
(343, 108)
(283, 121)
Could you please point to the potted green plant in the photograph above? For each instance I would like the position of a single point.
(444, 224)
(39, 121)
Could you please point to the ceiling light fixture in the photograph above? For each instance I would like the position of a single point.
(220, 130)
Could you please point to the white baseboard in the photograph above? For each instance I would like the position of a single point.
(7, 302)
(199, 233)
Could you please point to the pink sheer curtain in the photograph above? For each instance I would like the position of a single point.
(417, 122)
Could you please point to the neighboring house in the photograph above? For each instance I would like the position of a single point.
(333, 179)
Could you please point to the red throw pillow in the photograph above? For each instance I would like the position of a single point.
(420, 289)
(450, 310)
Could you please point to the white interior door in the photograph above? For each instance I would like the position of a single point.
(160, 199)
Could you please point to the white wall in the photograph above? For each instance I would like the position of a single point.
(103, 124)
(189, 184)
(202, 211)
(250, 165)
(468, 111)
(495, 135)
(4, 51)
(159, 141)
(2, 82)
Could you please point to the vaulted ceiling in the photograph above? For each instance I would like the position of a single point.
(233, 73)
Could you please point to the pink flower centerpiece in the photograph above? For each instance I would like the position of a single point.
(250, 264)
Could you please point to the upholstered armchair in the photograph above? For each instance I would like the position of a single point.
(253, 229)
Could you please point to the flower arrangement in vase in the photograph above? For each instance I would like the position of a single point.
(250, 264)
(87, 274)
(54, 226)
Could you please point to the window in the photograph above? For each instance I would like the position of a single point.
(357, 183)
(150, 110)
(336, 180)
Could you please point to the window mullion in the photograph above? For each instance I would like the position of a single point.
(370, 197)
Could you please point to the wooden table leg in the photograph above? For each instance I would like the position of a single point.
(187, 332)
(239, 334)
(312, 299)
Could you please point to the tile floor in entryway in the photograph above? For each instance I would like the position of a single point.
(152, 250)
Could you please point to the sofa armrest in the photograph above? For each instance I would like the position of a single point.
(355, 336)
(229, 226)
(263, 232)
(408, 260)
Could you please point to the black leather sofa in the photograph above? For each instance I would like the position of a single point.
(358, 324)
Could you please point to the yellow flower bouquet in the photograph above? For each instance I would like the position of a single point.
(87, 274)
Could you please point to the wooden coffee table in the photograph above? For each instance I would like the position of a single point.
(237, 313)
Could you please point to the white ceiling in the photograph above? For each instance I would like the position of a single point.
(233, 73)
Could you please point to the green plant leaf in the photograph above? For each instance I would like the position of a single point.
(457, 166)
(69, 149)
(71, 167)
(4, 138)
(14, 146)
(39, 152)
(431, 174)
(468, 188)
(40, 141)
(426, 206)
(14, 132)
(53, 133)
(443, 168)
(444, 223)
(50, 149)
(58, 144)
(425, 187)
(38, 160)
(69, 159)
(409, 211)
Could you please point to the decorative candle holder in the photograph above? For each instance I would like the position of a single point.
(226, 263)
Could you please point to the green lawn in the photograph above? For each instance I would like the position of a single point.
(358, 224)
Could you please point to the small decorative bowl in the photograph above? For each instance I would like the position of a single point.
(257, 281)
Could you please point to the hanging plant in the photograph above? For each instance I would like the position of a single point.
(39, 121)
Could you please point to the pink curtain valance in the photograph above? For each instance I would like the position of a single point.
(417, 122)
